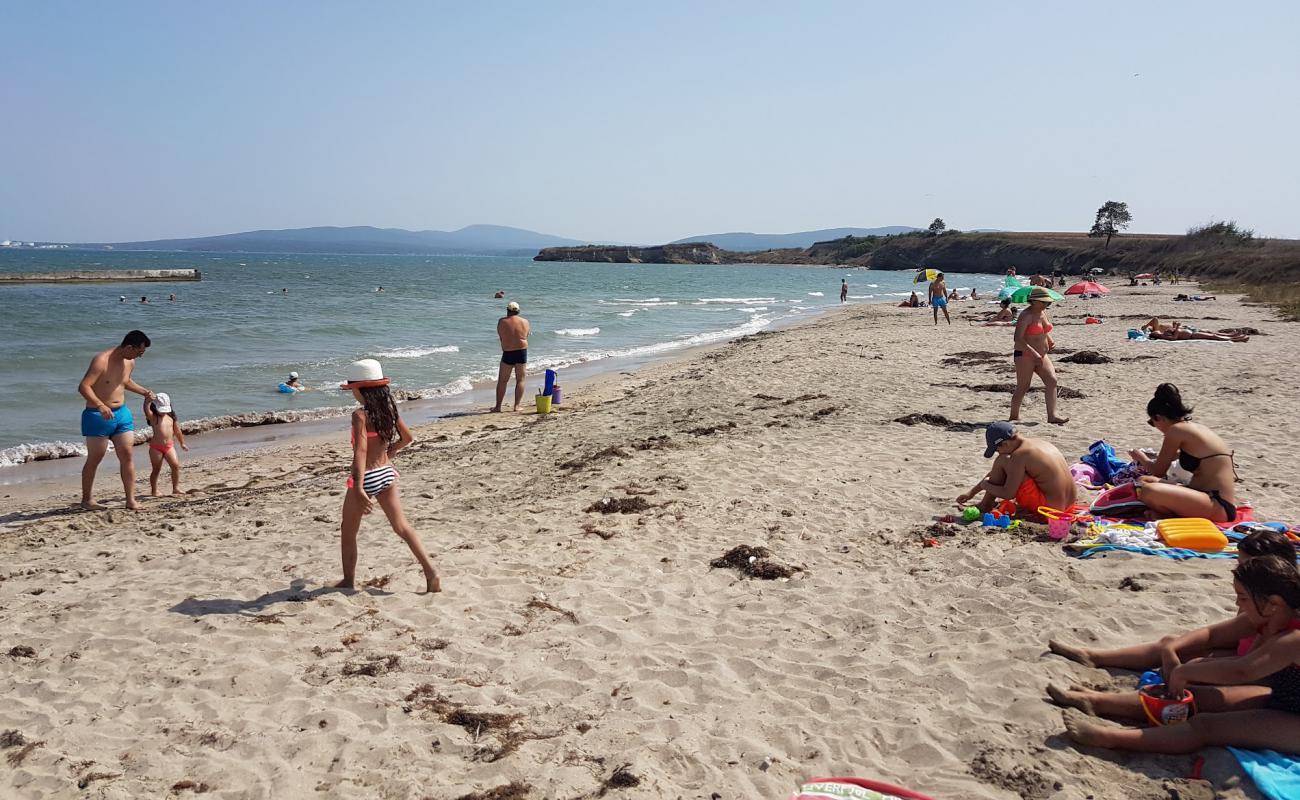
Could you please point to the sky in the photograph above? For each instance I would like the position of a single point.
(643, 122)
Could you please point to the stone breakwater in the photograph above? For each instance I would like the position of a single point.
(104, 276)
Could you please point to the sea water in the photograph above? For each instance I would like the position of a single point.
(226, 342)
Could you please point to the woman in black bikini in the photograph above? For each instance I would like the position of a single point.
(1200, 451)
(1250, 701)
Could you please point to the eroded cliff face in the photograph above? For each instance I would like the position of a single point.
(696, 253)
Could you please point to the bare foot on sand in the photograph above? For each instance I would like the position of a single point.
(134, 505)
(496, 410)
(1086, 731)
(1079, 655)
(432, 584)
(1069, 698)
(1058, 420)
(345, 584)
(91, 505)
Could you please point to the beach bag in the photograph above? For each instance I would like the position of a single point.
(854, 789)
(1101, 457)
(1120, 502)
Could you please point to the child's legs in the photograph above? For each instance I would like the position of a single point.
(351, 525)
(390, 500)
(174, 462)
(1263, 729)
(155, 461)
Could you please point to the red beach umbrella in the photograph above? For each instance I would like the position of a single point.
(1087, 287)
(1146, 276)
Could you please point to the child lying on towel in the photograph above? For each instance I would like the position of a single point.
(1250, 700)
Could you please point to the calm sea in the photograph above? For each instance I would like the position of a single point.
(225, 343)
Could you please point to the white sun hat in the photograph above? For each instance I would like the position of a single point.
(293, 374)
(364, 374)
(512, 306)
(163, 402)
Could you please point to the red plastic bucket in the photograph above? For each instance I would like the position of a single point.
(1161, 710)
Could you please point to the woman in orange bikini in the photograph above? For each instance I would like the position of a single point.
(162, 444)
(1032, 344)
(378, 433)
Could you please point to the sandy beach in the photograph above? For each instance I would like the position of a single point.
(196, 648)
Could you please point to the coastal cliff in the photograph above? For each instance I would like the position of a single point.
(1069, 253)
(693, 253)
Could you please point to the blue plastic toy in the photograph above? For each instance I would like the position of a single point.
(990, 520)
(1151, 677)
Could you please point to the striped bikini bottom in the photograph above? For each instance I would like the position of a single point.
(375, 481)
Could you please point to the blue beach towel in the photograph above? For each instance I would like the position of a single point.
(1276, 775)
(1176, 553)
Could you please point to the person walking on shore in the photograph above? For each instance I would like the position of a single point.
(1033, 342)
(512, 330)
(939, 298)
(378, 433)
(844, 290)
(106, 417)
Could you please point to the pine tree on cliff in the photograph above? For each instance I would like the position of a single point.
(1112, 218)
(937, 227)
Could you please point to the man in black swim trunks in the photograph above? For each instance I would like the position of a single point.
(512, 329)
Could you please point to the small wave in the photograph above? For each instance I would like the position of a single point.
(861, 296)
(634, 300)
(418, 352)
(578, 331)
(628, 313)
(41, 451)
(752, 309)
(816, 294)
(747, 301)
(873, 286)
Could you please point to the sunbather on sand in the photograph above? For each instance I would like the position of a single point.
(1212, 491)
(1178, 332)
(1250, 701)
(1231, 637)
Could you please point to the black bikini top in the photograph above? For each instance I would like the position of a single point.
(1192, 463)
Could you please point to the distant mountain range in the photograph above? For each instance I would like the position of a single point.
(361, 239)
(751, 242)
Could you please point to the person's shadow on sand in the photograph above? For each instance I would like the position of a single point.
(297, 592)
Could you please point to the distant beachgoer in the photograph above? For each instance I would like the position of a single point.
(1029, 474)
(121, 298)
(1033, 343)
(107, 419)
(1213, 641)
(378, 434)
(1177, 332)
(1007, 313)
(844, 290)
(294, 383)
(939, 298)
(284, 291)
(144, 299)
(166, 434)
(1211, 493)
(171, 298)
(974, 295)
(512, 330)
(1196, 297)
(1250, 700)
(954, 295)
(912, 302)
(498, 295)
(1011, 272)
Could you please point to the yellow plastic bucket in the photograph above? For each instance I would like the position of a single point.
(543, 404)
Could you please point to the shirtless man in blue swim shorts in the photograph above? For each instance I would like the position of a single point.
(939, 298)
(512, 330)
(107, 418)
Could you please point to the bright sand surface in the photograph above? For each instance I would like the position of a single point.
(198, 642)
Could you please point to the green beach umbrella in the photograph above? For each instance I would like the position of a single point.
(1012, 281)
(1022, 295)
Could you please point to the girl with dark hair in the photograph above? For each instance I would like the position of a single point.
(378, 433)
(1199, 450)
(1250, 701)
(1230, 637)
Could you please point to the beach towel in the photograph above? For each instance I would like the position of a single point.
(1085, 550)
(1276, 775)
(854, 789)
